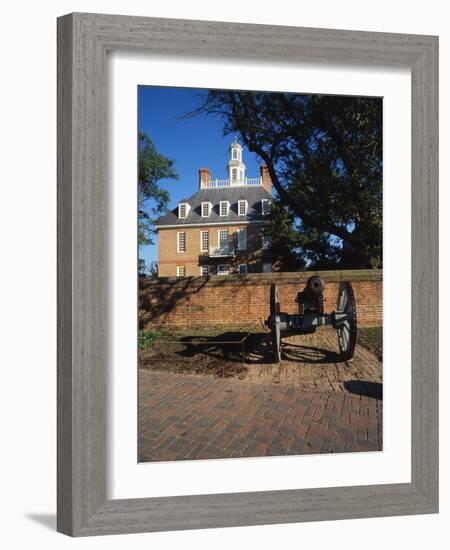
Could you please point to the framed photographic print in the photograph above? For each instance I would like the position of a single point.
(247, 274)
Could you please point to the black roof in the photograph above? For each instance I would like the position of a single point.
(252, 194)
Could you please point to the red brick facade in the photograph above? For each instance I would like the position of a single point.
(244, 299)
(193, 258)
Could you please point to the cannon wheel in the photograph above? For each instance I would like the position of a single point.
(275, 330)
(347, 332)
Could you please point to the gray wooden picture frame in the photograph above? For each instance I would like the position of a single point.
(83, 41)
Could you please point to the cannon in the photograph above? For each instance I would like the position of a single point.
(311, 315)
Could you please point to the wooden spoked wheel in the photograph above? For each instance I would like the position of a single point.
(275, 329)
(348, 329)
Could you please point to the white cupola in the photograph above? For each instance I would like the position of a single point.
(235, 166)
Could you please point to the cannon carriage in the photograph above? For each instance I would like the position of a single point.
(311, 315)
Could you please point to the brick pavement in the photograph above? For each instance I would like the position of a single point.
(184, 417)
(312, 362)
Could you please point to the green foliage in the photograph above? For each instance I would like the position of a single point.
(152, 270)
(147, 338)
(153, 167)
(284, 237)
(324, 155)
(148, 270)
(371, 338)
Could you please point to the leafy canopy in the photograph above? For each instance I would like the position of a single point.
(324, 155)
(153, 200)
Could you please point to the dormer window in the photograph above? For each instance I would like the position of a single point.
(242, 208)
(183, 210)
(223, 208)
(265, 207)
(206, 209)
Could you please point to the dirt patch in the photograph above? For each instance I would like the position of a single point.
(198, 363)
(217, 352)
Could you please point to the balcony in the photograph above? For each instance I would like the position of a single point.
(222, 251)
(249, 182)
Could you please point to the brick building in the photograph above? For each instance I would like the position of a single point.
(218, 230)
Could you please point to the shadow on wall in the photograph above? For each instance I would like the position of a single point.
(46, 520)
(244, 299)
(171, 293)
(168, 295)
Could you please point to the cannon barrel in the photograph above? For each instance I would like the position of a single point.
(315, 285)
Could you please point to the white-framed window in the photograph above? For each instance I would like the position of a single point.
(235, 154)
(181, 241)
(242, 238)
(234, 174)
(242, 207)
(266, 242)
(204, 241)
(204, 270)
(242, 269)
(181, 271)
(267, 268)
(183, 210)
(223, 269)
(223, 208)
(223, 238)
(265, 207)
(206, 209)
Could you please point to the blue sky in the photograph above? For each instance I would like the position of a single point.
(191, 143)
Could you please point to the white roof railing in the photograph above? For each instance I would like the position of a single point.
(227, 183)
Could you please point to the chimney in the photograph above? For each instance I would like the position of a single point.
(265, 178)
(204, 177)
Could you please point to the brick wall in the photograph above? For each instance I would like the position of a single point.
(244, 299)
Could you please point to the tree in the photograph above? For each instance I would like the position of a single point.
(148, 270)
(153, 200)
(284, 236)
(324, 156)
